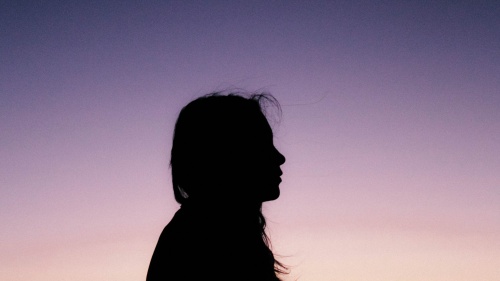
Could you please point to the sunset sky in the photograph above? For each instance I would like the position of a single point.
(390, 127)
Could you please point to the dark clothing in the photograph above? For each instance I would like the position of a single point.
(205, 244)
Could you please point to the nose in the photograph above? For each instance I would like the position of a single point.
(280, 157)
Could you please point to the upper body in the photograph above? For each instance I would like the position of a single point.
(195, 246)
(224, 166)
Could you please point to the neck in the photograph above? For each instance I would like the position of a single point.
(223, 205)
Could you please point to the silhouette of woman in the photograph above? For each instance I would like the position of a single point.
(224, 166)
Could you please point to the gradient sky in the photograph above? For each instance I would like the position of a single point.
(391, 129)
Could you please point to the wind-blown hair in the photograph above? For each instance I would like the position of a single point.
(208, 133)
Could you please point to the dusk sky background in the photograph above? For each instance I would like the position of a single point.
(390, 127)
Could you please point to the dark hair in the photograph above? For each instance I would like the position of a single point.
(213, 127)
(209, 128)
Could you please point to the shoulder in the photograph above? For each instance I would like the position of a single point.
(187, 246)
(169, 256)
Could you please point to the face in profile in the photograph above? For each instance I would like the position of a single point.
(256, 167)
(223, 152)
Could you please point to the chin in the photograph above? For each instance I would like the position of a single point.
(275, 194)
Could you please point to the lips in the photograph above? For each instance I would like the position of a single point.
(279, 176)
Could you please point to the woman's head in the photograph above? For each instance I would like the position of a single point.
(223, 150)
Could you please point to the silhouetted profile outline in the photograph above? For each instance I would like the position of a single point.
(224, 166)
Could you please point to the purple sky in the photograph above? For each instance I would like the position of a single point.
(391, 129)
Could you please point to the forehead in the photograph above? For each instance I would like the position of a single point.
(257, 127)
